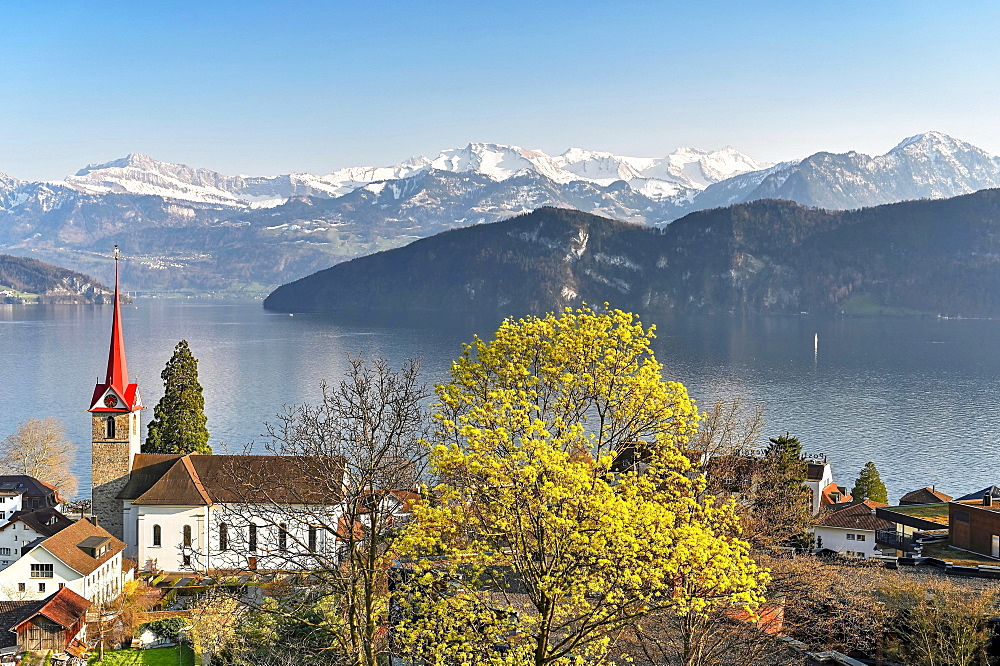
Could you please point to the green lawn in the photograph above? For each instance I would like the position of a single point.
(157, 657)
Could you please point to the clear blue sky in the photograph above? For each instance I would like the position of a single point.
(272, 87)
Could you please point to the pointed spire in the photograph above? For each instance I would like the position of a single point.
(117, 369)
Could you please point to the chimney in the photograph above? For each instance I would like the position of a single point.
(988, 499)
(93, 520)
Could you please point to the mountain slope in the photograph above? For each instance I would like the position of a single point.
(766, 256)
(51, 284)
(926, 166)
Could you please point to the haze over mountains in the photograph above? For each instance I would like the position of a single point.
(191, 228)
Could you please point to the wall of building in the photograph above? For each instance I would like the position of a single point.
(20, 573)
(169, 555)
(13, 537)
(973, 527)
(111, 462)
(846, 540)
(205, 552)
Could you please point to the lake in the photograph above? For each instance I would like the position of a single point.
(918, 397)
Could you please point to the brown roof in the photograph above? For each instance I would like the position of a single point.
(66, 546)
(65, 608)
(860, 516)
(924, 496)
(195, 480)
(11, 613)
(814, 471)
(46, 521)
(147, 468)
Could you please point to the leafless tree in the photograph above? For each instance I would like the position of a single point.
(39, 448)
(352, 466)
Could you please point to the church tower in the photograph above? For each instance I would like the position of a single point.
(114, 412)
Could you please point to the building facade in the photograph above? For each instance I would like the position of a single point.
(976, 528)
(233, 512)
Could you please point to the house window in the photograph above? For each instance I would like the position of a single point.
(961, 516)
(312, 537)
(223, 536)
(20, 587)
(41, 571)
(253, 538)
(282, 537)
(850, 537)
(109, 427)
(187, 560)
(62, 585)
(861, 537)
(157, 535)
(41, 587)
(187, 536)
(4, 551)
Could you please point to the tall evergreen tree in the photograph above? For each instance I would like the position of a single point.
(783, 500)
(178, 424)
(869, 486)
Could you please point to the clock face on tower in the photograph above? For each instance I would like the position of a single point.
(110, 401)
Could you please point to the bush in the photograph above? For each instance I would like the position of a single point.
(167, 628)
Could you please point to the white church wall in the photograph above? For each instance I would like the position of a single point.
(170, 554)
(207, 551)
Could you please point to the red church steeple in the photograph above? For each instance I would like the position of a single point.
(116, 394)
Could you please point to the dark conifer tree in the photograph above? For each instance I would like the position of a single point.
(783, 498)
(869, 486)
(178, 424)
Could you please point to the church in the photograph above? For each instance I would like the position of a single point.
(198, 513)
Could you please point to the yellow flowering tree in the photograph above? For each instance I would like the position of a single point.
(566, 510)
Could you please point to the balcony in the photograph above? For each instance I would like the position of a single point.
(893, 539)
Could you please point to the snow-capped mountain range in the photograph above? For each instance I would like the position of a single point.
(226, 231)
(684, 170)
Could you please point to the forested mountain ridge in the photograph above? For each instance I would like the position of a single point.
(25, 279)
(933, 257)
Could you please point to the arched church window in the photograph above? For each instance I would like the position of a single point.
(109, 427)
(187, 536)
(157, 535)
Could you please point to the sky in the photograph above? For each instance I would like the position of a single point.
(269, 87)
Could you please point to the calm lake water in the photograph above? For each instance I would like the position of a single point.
(920, 398)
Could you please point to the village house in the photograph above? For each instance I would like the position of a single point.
(825, 492)
(850, 529)
(80, 556)
(25, 528)
(927, 495)
(56, 623)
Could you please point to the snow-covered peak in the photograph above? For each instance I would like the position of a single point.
(497, 161)
(933, 141)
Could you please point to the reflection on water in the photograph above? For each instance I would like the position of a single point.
(920, 398)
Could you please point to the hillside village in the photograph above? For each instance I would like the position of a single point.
(248, 529)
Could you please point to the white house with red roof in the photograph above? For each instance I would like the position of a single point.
(825, 492)
(81, 556)
(850, 528)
